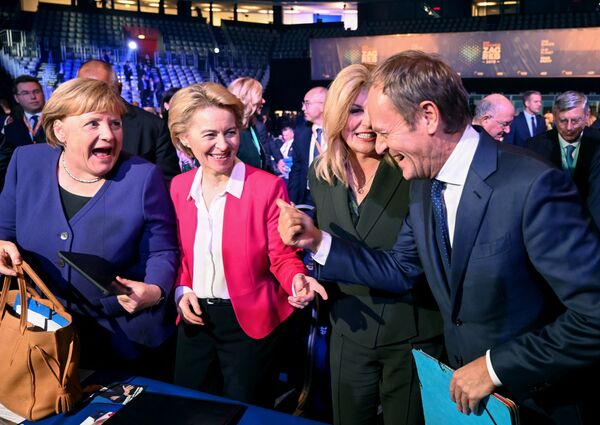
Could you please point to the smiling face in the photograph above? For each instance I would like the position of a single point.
(357, 133)
(214, 138)
(287, 134)
(418, 152)
(92, 142)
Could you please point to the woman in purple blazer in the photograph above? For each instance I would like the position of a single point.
(80, 193)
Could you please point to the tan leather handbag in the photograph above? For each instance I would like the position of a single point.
(39, 369)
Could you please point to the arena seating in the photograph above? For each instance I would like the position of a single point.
(58, 38)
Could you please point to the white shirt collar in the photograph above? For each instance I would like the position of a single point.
(455, 169)
(235, 184)
(564, 143)
(29, 115)
(528, 115)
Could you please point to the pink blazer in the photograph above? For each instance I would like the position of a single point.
(258, 267)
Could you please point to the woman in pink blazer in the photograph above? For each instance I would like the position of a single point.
(237, 280)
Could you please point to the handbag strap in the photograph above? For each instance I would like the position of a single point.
(41, 285)
(23, 293)
(4, 294)
(23, 269)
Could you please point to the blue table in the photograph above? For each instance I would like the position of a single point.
(253, 415)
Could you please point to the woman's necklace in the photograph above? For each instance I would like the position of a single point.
(77, 179)
(361, 189)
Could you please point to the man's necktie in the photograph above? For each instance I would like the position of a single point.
(439, 215)
(569, 156)
(316, 151)
(33, 120)
(533, 126)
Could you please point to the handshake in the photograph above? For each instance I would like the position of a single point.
(296, 228)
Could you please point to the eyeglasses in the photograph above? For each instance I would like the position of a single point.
(29, 93)
(574, 121)
(308, 102)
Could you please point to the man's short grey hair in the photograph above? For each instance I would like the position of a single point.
(570, 100)
(485, 108)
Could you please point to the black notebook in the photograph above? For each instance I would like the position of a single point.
(153, 408)
(97, 270)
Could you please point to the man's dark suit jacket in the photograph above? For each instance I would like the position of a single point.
(367, 316)
(299, 194)
(16, 134)
(273, 153)
(146, 135)
(592, 201)
(548, 146)
(519, 130)
(523, 281)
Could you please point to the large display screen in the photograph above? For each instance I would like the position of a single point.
(492, 54)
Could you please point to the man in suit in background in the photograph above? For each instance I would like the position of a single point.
(280, 153)
(308, 142)
(144, 134)
(510, 256)
(495, 114)
(25, 126)
(571, 145)
(529, 123)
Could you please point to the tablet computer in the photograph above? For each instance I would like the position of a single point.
(100, 272)
(154, 408)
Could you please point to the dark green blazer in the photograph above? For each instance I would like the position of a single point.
(247, 151)
(371, 317)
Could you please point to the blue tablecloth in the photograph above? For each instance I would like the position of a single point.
(253, 415)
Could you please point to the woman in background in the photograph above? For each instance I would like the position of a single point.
(252, 149)
(237, 279)
(361, 197)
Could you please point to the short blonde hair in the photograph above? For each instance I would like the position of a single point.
(250, 92)
(343, 91)
(76, 97)
(190, 99)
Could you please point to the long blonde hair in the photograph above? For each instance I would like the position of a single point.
(250, 92)
(331, 164)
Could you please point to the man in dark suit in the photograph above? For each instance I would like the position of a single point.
(510, 256)
(308, 142)
(529, 123)
(592, 200)
(494, 114)
(571, 145)
(144, 134)
(25, 126)
(127, 71)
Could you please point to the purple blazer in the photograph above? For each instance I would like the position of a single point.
(129, 222)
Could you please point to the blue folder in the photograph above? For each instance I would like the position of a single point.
(439, 409)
